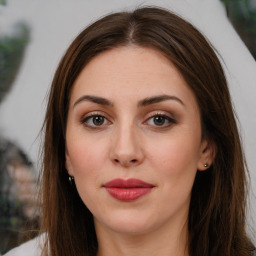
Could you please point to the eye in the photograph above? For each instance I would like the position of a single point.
(160, 120)
(94, 121)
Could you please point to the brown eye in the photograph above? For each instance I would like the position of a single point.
(161, 120)
(98, 120)
(94, 121)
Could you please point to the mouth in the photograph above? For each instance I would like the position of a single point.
(127, 190)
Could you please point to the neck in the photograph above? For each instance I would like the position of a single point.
(155, 243)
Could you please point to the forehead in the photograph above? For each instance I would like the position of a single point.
(130, 72)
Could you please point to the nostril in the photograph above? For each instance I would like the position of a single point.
(131, 161)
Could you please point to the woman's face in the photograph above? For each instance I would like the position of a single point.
(133, 141)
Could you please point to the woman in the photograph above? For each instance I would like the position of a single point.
(142, 153)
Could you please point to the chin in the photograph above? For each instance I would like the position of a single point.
(129, 224)
(130, 229)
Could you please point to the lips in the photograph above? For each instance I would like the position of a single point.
(127, 190)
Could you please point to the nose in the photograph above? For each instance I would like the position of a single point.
(126, 147)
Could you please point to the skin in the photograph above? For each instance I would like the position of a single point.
(131, 140)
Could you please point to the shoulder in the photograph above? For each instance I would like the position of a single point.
(30, 248)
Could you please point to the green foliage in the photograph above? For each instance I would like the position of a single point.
(3, 2)
(11, 53)
(243, 18)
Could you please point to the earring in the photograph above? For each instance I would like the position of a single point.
(206, 165)
(71, 180)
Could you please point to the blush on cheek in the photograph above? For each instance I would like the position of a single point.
(176, 159)
(86, 158)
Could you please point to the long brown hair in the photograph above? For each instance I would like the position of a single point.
(217, 211)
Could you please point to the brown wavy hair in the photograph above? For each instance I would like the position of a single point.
(217, 210)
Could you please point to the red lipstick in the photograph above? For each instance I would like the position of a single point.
(127, 190)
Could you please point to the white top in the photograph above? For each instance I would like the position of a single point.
(30, 248)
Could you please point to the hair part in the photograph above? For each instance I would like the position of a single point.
(218, 200)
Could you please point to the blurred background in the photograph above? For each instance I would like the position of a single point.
(33, 36)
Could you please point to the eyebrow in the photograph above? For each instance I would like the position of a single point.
(94, 99)
(142, 103)
(157, 99)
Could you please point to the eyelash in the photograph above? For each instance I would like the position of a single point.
(167, 118)
(92, 115)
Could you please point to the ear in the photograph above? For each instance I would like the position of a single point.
(207, 154)
(68, 164)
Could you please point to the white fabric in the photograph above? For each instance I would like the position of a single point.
(30, 248)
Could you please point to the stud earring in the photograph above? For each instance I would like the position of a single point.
(206, 165)
(71, 180)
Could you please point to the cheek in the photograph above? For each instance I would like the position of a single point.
(86, 156)
(176, 162)
(175, 154)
